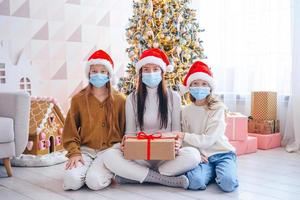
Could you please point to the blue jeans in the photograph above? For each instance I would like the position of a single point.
(221, 167)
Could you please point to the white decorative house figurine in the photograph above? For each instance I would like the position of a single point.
(46, 126)
(15, 77)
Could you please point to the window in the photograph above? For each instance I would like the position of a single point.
(248, 44)
(25, 84)
(2, 73)
(51, 119)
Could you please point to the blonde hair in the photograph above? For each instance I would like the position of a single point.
(110, 110)
(212, 100)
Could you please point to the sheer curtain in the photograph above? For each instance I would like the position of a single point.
(292, 131)
(248, 45)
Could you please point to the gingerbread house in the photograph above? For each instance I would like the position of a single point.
(46, 126)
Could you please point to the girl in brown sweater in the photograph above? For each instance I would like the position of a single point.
(94, 123)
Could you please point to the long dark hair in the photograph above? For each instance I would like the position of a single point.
(141, 95)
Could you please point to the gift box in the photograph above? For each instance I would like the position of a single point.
(245, 147)
(263, 126)
(267, 141)
(149, 147)
(264, 105)
(237, 125)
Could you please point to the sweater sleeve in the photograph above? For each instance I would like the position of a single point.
(71, 137)
(214, 128)
(131, 126)
(176, 112)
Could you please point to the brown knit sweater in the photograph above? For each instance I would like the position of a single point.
(93, 131)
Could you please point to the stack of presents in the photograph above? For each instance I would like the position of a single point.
(260, 130)
(246, 134)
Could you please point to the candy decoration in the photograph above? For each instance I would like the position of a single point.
(58, 140)
(41, 145)
(29, 145)
(48, 143)
(42, 136)
(38, 130)
(60, 131)
(44, 120)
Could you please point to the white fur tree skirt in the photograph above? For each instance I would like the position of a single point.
(25, 160)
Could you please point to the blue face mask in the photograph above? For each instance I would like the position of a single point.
(199, 93)
(98, 80)
(152, 79)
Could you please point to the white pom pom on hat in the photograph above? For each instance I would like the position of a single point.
(170, 68)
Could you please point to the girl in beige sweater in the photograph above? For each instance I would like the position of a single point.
(203, 125)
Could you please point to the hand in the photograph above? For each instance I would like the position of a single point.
(73, 162)
(180, 135)
(122, 143)
(204, 159)
(178, 144)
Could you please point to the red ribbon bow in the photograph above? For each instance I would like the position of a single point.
(143, 135)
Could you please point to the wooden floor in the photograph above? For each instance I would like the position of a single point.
(265, 175)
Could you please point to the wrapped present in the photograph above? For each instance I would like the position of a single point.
(267, 141)
(264, 105)
(263, 126)
(149, 147)
(245, 147)
(237, 125)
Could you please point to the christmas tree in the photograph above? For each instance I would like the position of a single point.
(166, 24)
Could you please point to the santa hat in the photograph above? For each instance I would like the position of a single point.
(154, 56)
(198, 70)
(102, 58)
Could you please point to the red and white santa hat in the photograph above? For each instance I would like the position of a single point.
(198, 70)
(102, 58)
(154, 56)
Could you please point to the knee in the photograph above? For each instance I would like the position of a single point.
(196, 182)
(227, 183)
(111, 158)
(192, 155)
(72, 180)
(96, 182)
(112, 154)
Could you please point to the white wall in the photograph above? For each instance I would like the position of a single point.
(57, 36)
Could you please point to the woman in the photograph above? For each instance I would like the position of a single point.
(153, 108)
(94, 124)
